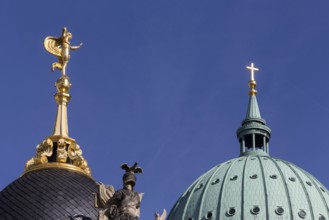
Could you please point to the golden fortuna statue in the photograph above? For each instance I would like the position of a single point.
(60, 47)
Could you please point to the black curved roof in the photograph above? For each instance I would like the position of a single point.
(49, 194)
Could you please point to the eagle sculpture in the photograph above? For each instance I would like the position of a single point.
(132, 169)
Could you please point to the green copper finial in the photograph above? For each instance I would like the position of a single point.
(252, 82)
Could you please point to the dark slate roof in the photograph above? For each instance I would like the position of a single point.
(49, 194)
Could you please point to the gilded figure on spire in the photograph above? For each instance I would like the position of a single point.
(59, 150)
(60, 47)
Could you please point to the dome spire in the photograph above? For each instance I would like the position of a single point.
(253, 110)
(59, 150)
(253, 135)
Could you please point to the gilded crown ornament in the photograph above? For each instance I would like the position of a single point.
(60, 150)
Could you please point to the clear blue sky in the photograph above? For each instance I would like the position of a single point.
(163, 82)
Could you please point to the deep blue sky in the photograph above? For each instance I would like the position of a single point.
(163, 82)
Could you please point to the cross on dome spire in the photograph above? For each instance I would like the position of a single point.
(252, 70)
(254, 134)
(252, 82)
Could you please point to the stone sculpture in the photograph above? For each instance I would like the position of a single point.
(123, 204)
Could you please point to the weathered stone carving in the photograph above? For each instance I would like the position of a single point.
(162, 217)
(124, 204)
(105, 192)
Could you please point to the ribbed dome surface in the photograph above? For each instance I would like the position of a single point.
(253, 186)
(49, 194)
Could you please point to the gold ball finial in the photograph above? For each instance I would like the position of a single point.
(252, 86)
(63, 84)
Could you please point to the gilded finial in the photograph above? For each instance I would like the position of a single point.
(252, 82)
(60, 47)
(59, 150)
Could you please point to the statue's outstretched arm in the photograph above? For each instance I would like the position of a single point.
(76, 47)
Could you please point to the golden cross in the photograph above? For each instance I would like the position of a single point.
(252, 70)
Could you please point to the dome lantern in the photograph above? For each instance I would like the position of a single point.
(253, 134)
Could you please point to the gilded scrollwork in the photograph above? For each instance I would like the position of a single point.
(65, 149)
(75, 154)
(43, 151)
(74, 151)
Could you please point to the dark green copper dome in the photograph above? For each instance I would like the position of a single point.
(254, 185)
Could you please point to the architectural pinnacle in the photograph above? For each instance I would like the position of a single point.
(59, 150)
(60, 47)
(253, 135)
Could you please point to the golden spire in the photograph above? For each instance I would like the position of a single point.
(60, 47)
(252, 82)
(59, 150)
(62, 98)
